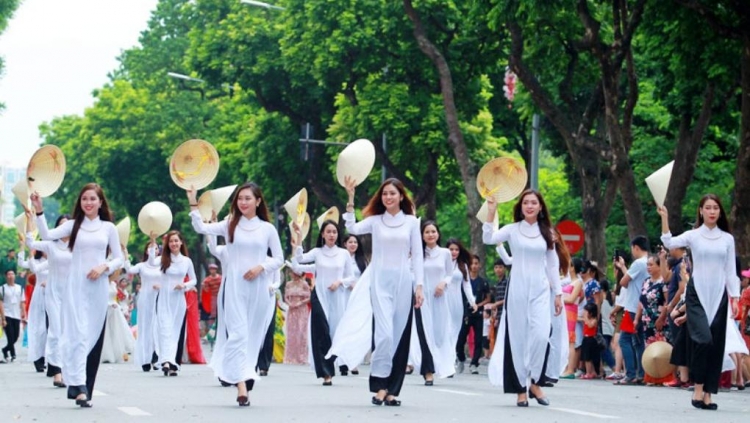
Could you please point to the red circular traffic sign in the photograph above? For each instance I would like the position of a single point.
(572, 235)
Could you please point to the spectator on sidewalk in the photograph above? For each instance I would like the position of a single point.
(14, 312)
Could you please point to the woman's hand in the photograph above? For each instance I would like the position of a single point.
(253, 273)
(296, 237)
(474, 308)
(680, 320)
(418, 297)
(558, 305)
(662, 210)
(440, 289)
(334, 286)
(179, 287)
(36, 201)
(491, 208)
(350, 184)
(96, 272)
(192, 196)
(157, 287)
(735, 305)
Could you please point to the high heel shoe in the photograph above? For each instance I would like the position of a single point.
(58, 384)
(83, 402)
(428, 383)
(522, 404)
(173, 372)
(541, 401)
(377, 401)
(243, 401)
(328, 383)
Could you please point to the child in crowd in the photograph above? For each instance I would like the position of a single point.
(590, 351)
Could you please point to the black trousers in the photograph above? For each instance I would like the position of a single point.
(320, 341)
(92, 367)
(705, 341)
(395, 380)
(428, 364)
(180, 345)
(12, 330)
(266, 351)
(473, 321)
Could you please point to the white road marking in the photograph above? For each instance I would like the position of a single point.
(451, 391)
(584, 413)
(98, 393)
(133, 411)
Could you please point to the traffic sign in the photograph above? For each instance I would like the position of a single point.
(572, 235)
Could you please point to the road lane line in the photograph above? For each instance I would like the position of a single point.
(133, 411)
(451, 391)
(98, 393)
(584, 413)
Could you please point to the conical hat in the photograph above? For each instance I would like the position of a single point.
(155, 217)
(655, 359)
(502, 178)
(658, 182)
(194, 164)
(355, 161)
(46, 170)
(205, 206)
(21, 191)
(20, 222)
(297, 206)
(213, 201)
(220, 196)
(123, 230)
(482, 216)
(304, 228)
(330, 214)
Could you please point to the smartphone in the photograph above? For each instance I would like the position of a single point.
(617, 255)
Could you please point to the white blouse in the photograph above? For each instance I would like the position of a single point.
(332, 264)
(395, 238)
(533, 262)
(714, 266)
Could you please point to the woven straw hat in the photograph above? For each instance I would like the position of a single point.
(214, 200)
(658, 182)
(655, 359)
(502, 178)
(46, 170)
(21, 191)
(304, 228)
(297, 206)
(123, 231)
(330, 214)
(20, 222)
(355, 161)
(155, 217)
(194, 164)
(482, 216)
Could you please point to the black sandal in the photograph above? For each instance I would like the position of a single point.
(377, 401)
(392, 402)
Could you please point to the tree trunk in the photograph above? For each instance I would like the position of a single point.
(455, 136)
(740, 216)
(685, 157)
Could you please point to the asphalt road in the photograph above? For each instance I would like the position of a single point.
(292, 394)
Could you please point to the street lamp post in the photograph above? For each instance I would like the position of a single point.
(261, 4)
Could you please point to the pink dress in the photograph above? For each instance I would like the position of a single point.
(571, 313)
(295, 351)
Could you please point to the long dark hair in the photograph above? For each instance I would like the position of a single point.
(545, 225)
(563, 255)
(321, 240)
(105, 213)
(722, 223)
(145, 251)
(166, 256)
(261, 210)
(375, 206)
(464, 257)
(359, 253)
(592, 266)
(424, 226)
(60, 218)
